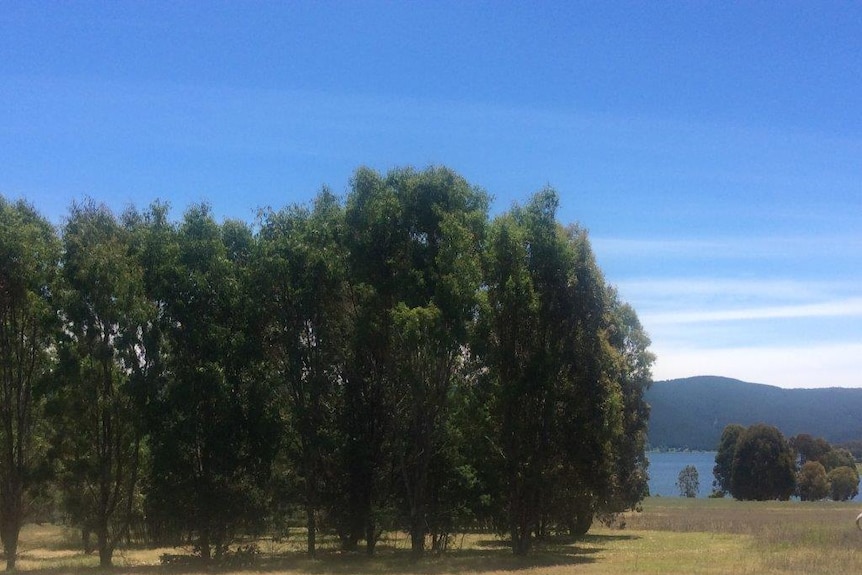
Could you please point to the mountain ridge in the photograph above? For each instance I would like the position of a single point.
(691, 412)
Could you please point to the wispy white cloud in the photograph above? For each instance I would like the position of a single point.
(840, 308)
(735, 248)
(790, 330)
(663, 289)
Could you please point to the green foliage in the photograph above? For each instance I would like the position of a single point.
(843, 483)
(819, 464)
(837, 457)
(763, 465)
(812, 483)
(853, 446)
(98, 432)
(214, 433)
(561, 380)
(688, 481)
(299, 267)
(29, 251)
(392, 361)
(632, 365)
(723, 470)
(809, 448)
(413, 241)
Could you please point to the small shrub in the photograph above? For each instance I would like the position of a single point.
(179, 560)
(243, 556)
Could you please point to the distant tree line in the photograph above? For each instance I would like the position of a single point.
(758, 463)
(854, 447)
(684, 412)
(396, 360)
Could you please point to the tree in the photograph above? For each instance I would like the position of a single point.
(104, 313)
(300, 268)
(809, 448)
(375, 240)
(843, 483)
(413, 244)
(633, 366)
(392, 361)
(834, 458)
(812, 483)
(29, 253)
(723, 470)
(688, 481)
(763, 465)
(821, 464)
(215, 431)
(556, 397)
(152, 244)
(608, 372)
(444, 219)
(521, 404)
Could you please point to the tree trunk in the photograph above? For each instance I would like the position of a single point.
(204, 545)
(10, 530)
(106, 551)
(86, 540)
(311, 528)
(417, 541)
(521, 532)
(521, 541)
(11, 515)
(370, 538)
(417, 531)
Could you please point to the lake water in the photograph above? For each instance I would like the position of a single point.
(664, 468)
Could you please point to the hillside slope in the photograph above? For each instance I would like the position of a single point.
(692, 412)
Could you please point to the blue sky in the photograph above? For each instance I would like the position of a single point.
(713, 149)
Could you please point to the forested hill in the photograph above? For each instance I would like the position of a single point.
(692, 412)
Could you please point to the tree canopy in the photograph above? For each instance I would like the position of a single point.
(759, 463)
(392, 360)
(763, 465)
(811, 482)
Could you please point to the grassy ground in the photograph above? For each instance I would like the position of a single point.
(706, 536)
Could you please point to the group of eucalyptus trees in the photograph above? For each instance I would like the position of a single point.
(393, 360)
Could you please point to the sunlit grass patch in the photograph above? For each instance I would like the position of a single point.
(783, 537)
(678, 552)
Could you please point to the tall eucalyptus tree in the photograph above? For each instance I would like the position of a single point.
(555, 403)
(374, 239)
(414, 241)
(632, 368)
(29, 254)
(301, 282)
(444, 220)
(104, 314)
(214, 435)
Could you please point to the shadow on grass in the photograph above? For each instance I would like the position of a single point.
(476, 559)
(484, 555)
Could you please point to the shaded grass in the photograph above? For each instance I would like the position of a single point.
(671, 535)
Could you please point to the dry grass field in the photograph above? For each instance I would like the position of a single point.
(707, 536)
